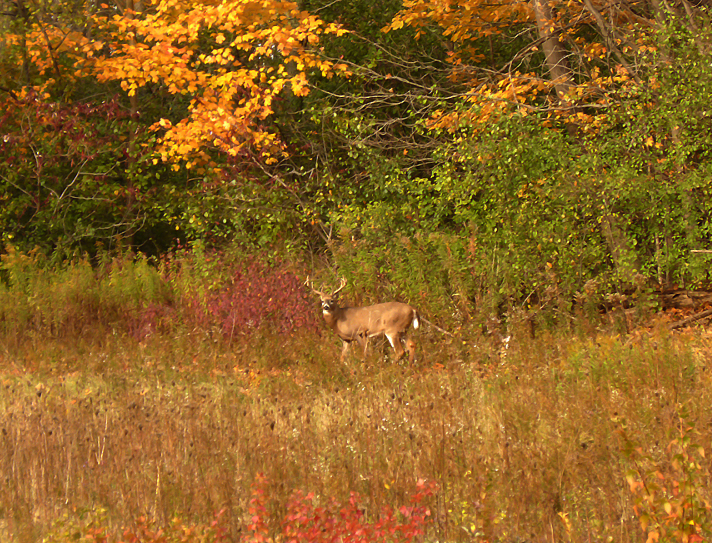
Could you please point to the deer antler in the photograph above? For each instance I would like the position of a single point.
(322, 294)
(310, 284)
(319, 293)
(343, 284)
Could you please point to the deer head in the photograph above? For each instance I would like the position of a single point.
(391, 319)
(328, 301)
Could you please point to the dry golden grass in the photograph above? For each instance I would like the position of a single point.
(524, 442)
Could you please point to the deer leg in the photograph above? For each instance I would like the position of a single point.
(410, 346)
(395, 341)
(344, 350)
(363, 342)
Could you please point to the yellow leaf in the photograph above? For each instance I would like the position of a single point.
(299, 87)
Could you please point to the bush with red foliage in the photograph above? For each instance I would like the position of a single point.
(255, 295)
(337, 522)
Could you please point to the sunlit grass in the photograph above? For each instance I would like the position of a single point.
(527, 440)
(181, 427)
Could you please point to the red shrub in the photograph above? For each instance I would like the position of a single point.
(338, 522)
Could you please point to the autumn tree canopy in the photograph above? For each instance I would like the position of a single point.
(554, 125)
(574, 60)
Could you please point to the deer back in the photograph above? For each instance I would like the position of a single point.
(351, 322)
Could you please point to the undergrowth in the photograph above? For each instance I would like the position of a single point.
(217, 293)
(303, 521)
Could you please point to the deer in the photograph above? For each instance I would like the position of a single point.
(391, 319)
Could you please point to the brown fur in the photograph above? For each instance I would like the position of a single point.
(391, 319)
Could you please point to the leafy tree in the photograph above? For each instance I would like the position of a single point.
(206, 77)
(233, 60)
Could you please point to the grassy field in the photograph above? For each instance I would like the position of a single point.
(546, 440)
(177, 402)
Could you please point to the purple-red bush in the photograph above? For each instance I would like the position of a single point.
(253, 296)
(191, 290)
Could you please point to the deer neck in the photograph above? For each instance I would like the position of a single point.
(345, 326)
(331, 316)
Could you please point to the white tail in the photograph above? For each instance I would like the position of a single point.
(391, 319)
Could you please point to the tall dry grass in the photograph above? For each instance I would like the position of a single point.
(525, 448)
(544, 440)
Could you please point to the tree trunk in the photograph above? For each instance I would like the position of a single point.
(555, 53)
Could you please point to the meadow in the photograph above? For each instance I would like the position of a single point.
(144, 402)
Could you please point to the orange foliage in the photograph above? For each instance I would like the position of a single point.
(494, 91)
(259, 50)
(461, 21)
(232, 58)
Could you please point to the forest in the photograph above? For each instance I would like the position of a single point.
(525, 150)
(535, 176)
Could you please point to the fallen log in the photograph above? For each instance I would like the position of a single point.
(692, 318)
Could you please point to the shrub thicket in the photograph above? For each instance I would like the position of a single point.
(187, 291)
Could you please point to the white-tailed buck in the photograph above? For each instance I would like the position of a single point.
(359, 324)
